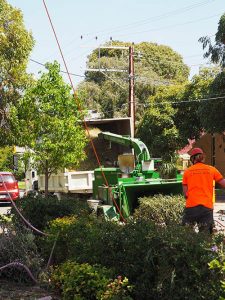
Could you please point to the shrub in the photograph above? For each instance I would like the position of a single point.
(161, 262)
(60, 231)
(80, 281)
(118, 289)
(217, 265)
(168, 169)
(83, 281)
(79, 239)
(161, 209)
(40, 210)
(18, 246)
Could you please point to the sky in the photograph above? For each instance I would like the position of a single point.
(175, 23)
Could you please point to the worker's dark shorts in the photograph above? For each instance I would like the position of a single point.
(201, 215)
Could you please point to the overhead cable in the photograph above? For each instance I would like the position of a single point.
(171, 26)
(39, 63)
(153, 19)
(182, 101)
(85, 124)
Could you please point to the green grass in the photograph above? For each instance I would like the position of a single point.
(21, 184)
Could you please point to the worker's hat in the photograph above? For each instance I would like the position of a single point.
(196, 151)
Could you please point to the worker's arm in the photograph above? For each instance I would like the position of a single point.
(222, 183)
(185, 189)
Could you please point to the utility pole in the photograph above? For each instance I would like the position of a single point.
(131, 100)
(131, 90)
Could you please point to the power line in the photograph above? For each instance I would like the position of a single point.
(153, 19)
(106, 70)
(169, 62)
(183, 101)
(200, 100)
(142, 22)
(43, 65)
(165, 102)
(172, 26)
(142, 79)
(107, 76)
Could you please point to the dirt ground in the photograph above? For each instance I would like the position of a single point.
(16, 291)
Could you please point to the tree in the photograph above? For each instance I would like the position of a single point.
(215, 109)
(158, 131)
(6, 158)
(189, 119)
(175, 115)
(216, 52)
(48, 122)
(154, 65)
(15, 46)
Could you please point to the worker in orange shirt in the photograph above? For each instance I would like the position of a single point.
(198, 189)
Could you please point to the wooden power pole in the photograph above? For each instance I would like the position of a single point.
(131, 101)
(131, 90)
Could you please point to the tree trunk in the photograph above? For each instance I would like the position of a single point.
(46, 178)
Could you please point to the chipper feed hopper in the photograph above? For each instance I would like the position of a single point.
(118, 188)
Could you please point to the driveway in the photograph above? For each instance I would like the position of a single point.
(219, 215)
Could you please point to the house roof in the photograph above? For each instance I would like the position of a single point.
(187, 148)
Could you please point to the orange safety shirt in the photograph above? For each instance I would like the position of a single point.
(199, 179)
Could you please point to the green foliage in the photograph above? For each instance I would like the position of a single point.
(174, 116)
(161, 209)
(168, 170)
(80, 281)
(158, 131)
(118, 289)
(163, 61)
(217, 265)
(162, 262)
(188, 119)
(7, 162)
(215, 109)
(90, 92)
(40, 210)
(6, 158)
(154, 65)
(87, 231)
(15, 47)
(216, 52)
(18, 246)
(48, 122)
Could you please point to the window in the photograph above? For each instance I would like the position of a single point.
(7, 178)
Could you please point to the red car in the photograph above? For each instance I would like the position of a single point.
(8, 186)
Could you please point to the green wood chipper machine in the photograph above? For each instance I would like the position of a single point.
(117, 189)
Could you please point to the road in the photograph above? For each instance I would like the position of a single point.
(219, 215)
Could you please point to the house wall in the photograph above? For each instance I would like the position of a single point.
(214, 148)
